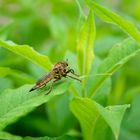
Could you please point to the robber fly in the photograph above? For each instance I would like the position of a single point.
(59, 70)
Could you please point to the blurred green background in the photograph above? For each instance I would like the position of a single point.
(51, 28)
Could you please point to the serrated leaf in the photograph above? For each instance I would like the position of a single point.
(111, 17)
(85, 45)
(18, 102)
(119, 55)
(94, 118)
(28, 53)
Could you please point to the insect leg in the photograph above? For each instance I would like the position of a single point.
(73, 78)
(72, 72)
(51, 87)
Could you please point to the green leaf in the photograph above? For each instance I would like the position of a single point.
(58, 118)
(18, 102)
(4, 71)
(133, 116)
(102, 94)
(94, 119)
(85, 45)
(28, 53)
(7, 136)
(4, 86)
(130, 126)
(111, 17)
(130, 94)
(65, 137)
(119, 55)
(23, 77)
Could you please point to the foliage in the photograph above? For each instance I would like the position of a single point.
(99, 117)
(104, 56)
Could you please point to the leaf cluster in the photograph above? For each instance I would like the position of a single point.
(93, 104)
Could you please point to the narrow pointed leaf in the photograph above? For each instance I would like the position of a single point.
(28, 53)
(95, 119)
(119, 55)
(18, 102)
(85, 45)
(111, 17)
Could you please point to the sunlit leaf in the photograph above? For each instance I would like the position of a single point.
(95, 119)
(85, 45)
(111, 17)
(119, 55)
(28, 53)
(18, 102)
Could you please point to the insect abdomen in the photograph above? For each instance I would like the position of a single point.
(42, 82)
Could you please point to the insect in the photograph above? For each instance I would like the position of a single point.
(60, 69)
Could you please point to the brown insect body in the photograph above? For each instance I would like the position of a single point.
(59, 70)
(42, 82)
